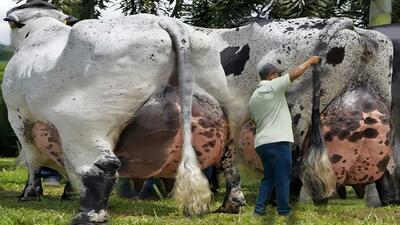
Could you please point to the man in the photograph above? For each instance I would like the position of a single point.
(270, 112)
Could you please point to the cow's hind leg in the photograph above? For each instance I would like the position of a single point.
(22, 123)
(386, 190)
(359, 189)
(33, 187)
(67, 194)
(341, 191)
(95, 164)
(234, 197)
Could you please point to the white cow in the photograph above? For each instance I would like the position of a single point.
(61, 76)
(87, 82)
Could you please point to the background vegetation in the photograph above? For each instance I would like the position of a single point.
(8, 140)
(227, 13)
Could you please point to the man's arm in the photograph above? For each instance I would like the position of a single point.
(300, 69)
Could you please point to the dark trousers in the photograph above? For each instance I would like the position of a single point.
(49, 173)
(277, 163)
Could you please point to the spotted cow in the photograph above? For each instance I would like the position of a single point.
(357, 134)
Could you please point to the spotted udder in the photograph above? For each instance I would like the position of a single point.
(151, 144)
(357, 131)
(48, 142)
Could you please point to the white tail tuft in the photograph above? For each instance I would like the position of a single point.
(191, 190)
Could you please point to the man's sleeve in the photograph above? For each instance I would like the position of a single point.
(281, 83)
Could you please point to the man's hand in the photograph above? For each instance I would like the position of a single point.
(299, 70)
(314, 60)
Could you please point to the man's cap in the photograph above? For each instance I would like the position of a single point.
(267, 69)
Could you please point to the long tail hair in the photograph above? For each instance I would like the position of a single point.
(318, 177)
(191, 190)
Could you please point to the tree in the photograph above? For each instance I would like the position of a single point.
(82, 9)
(131, 7)
(354, 9)
(221, 13)
(172, 8)
(88, 10)
(70, 7)
(288, 9)
(395, 11)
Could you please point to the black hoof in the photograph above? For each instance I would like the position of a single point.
(66, 198)
(320, 202)
(31, 196)
(391, 202)
(83, 219)
(231, 207)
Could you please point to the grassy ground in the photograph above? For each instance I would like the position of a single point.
(124, 211)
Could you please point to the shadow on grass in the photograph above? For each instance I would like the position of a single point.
(117, 206)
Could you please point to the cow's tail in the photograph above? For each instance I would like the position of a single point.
(191, 189)
(318, 177)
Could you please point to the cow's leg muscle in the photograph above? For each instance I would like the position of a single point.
(94, 162)
(33, 187)
(359, 189)
(67, 194)
(234, 197)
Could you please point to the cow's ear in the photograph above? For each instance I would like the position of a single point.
(70, 20)
(13, 22)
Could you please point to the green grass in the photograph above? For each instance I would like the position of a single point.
(125, 211)
(2, 67)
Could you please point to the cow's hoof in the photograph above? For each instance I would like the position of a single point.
(66, 197)
(84, 219)
(320, 202)
(28, 198)
(232, 206)
(391, 202)
(228, 208)
(31, 196)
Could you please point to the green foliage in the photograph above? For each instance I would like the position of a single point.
(88, 10)
(81, 9)
(354, 9)
(217, 13)
(289, 9)
(131, 7)
(227, 13)
(70, 7)
(358, 10)
(52, 211)
(5, 53)
(395, 11)
(8, 140)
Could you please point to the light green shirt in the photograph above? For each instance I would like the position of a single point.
(270, 111)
